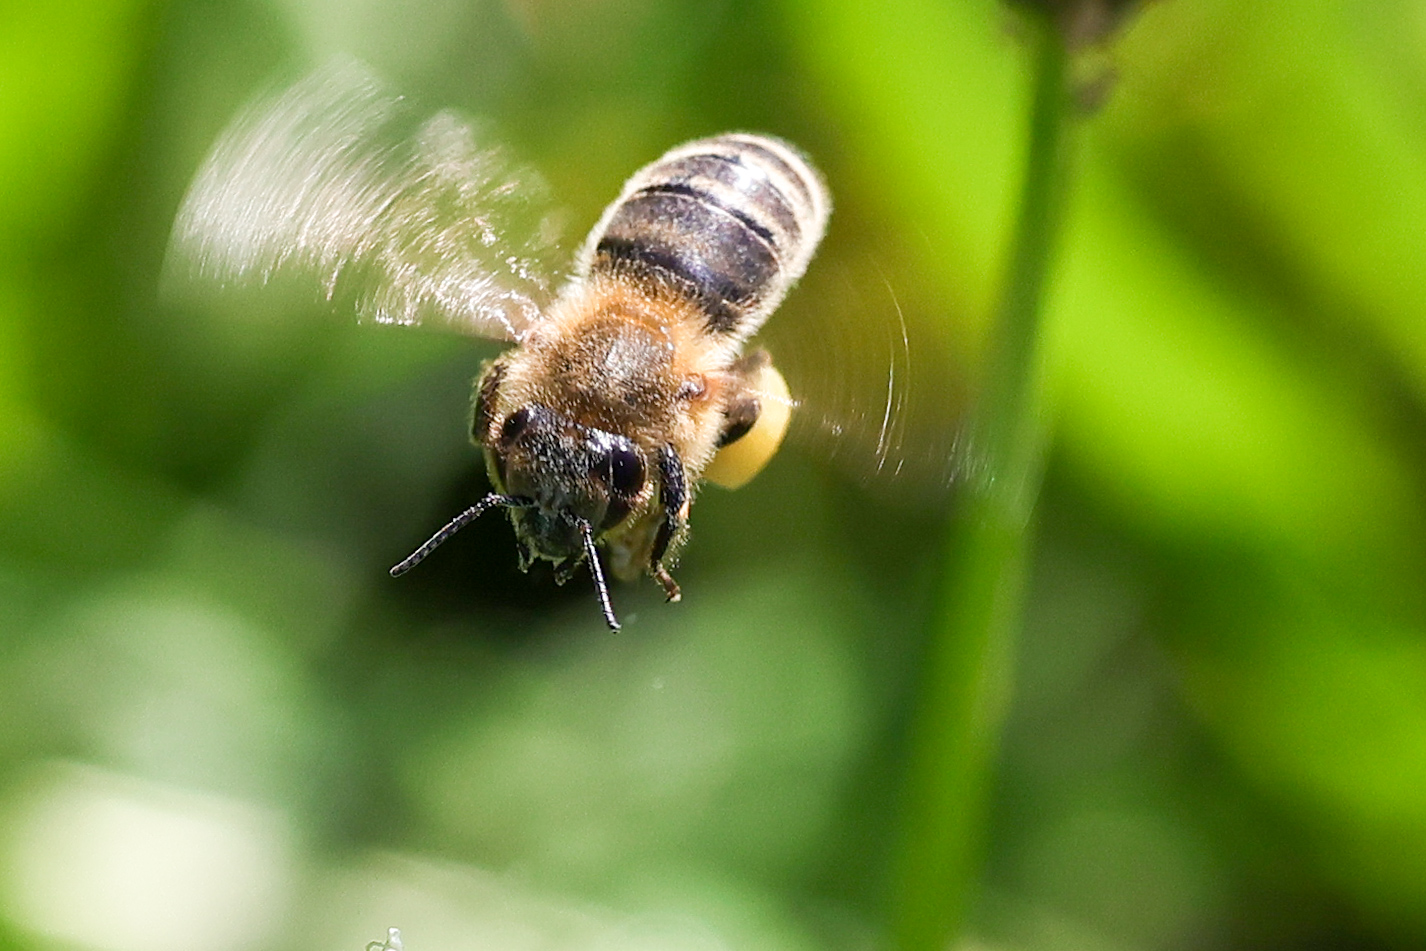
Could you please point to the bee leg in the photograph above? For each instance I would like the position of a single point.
(565, 570)
(743, 410)
(525, 557)
(672, 593)
(757, 410)
(673, 493)
(739, 418)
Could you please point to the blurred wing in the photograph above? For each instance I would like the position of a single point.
(875, 388)
(415, 226)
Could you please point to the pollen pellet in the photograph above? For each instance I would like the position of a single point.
(734, 465)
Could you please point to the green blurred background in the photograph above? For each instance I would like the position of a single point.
(223, 727)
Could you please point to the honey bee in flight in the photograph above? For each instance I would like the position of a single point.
(627, 386)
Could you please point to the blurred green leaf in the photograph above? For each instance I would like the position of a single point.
(1293, 127)
(1327, 709)
(67, 70)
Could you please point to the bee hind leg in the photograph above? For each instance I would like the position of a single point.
(743, 410)
(755, 419)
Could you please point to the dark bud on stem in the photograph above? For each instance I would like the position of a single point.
(1084, 22)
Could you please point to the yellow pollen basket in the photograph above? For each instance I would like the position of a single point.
(734, 465)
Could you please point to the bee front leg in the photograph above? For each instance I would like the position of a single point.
(671, 590)
(525, 557)
(565, 570)
(673, 495)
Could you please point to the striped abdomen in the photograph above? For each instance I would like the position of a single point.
(730, 221)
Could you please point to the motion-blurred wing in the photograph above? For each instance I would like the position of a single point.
(875, 388)
(413, 225)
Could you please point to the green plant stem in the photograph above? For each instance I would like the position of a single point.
(970, 647)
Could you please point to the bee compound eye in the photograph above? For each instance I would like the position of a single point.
(515, 424)
(626, 471)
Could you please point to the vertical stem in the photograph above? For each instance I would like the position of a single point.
(970, 647)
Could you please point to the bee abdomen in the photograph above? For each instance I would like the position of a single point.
(730, 221)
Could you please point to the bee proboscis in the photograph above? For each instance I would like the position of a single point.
(626, 387)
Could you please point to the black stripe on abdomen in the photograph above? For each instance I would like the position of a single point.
(688, 191)
(722, 261)
(618, 254)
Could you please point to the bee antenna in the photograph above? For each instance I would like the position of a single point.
(456, 524)
(592, 556)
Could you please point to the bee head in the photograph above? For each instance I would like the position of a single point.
(563, 484)
(573, 475)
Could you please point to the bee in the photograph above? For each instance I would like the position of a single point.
(627, 386)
